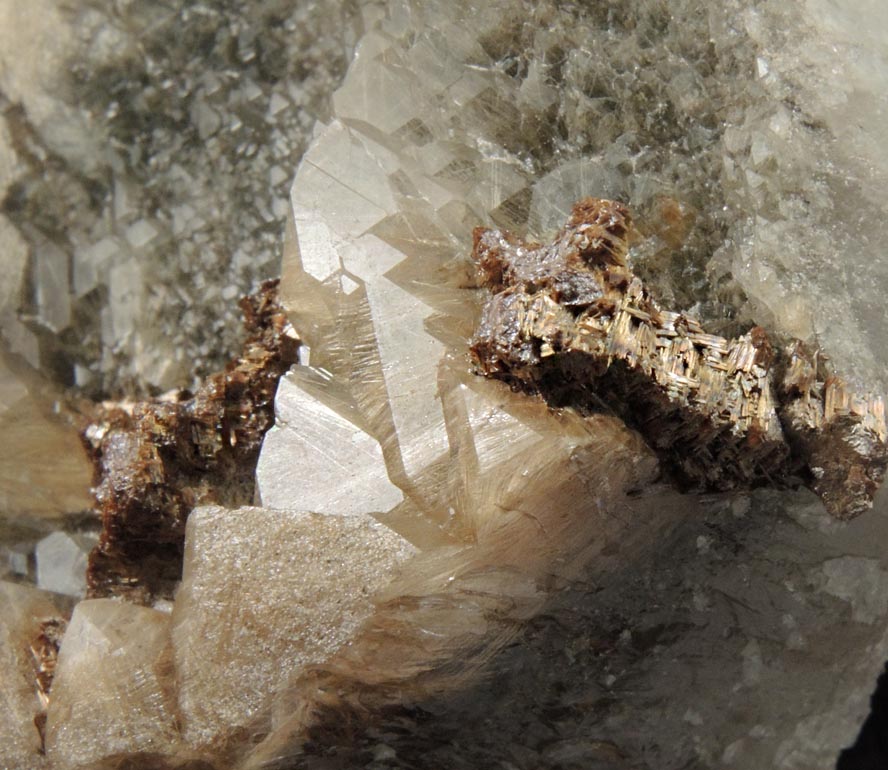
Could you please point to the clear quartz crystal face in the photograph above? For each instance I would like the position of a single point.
(323, 452)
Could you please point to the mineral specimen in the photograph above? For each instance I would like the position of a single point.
(61, 562)
(743, 616)
(150, 149)
(535, 512)
(344, 478)
(838, 433)
(572, 322)
(654, 629)
(157, 459)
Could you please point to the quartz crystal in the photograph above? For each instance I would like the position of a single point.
(146, 155)
(112, 692)
(451, 119)
(264, 594)
(531, 513)
(61, 562)
(329, 464)
(17, 562)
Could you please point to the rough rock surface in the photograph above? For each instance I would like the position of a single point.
(157, 459)
(728, 647)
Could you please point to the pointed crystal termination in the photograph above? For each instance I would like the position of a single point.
(571, 322)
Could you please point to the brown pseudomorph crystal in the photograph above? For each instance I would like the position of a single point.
(159, 458)
(572, 322)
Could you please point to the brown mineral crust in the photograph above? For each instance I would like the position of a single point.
(156, 459)
(839, 435)
(571, 322)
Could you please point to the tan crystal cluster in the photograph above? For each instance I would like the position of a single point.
(286, 620)
(265, 593)
(572, 322)
(445, 511)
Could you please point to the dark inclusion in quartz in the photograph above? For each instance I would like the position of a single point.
(571, 322)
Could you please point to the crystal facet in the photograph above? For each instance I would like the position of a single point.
(668, 631)
(113, 689)
(264, 594)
